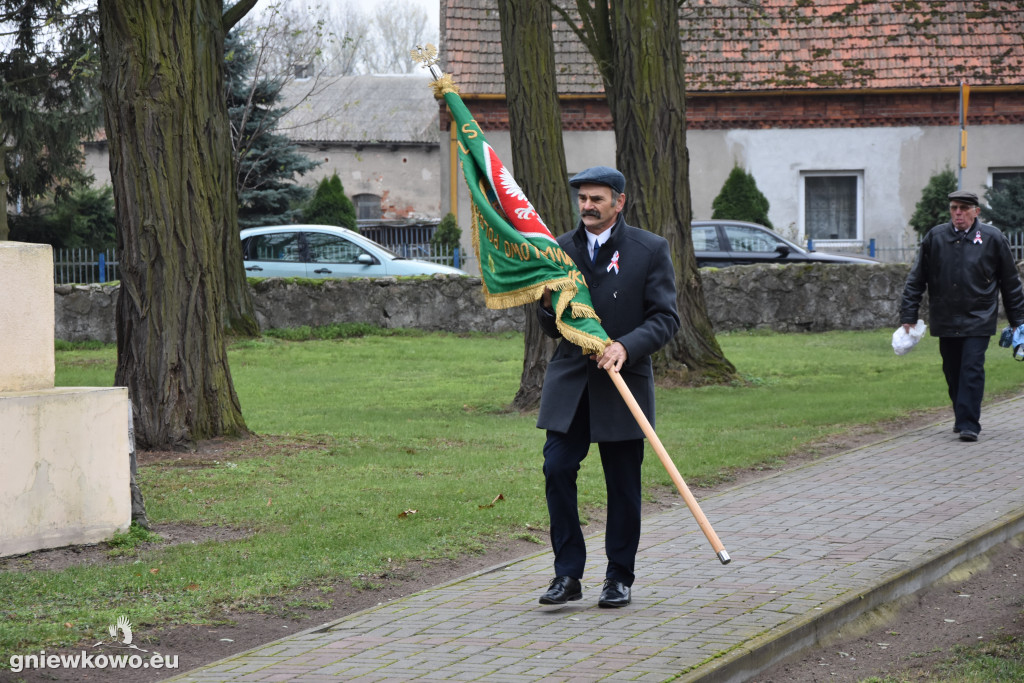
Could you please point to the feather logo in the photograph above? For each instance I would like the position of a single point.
(125, 627)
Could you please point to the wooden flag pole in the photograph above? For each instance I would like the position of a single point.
(673, 473)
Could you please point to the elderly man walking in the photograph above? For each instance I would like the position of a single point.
(964, 265)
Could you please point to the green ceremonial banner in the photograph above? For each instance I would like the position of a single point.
(519, 257)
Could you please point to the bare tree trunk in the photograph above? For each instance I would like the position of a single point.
(5, 230)
(171, 169)
(239, 311)
(538, 156)
(636, 46)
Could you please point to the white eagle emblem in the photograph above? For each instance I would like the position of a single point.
(513, 191)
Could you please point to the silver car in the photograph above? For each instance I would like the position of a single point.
(325, 251)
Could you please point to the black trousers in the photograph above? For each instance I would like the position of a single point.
(621, 460)
(963, 364)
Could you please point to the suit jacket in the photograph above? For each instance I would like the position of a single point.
(637, 305)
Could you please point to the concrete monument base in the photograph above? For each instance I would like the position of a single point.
(64, 452)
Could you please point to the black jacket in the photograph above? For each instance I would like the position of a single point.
(964, 274)
(637, 306)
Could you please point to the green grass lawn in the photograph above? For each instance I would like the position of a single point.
(379, 425)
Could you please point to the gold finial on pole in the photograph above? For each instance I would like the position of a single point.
(427, 58)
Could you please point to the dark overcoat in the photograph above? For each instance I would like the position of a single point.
(637, 305)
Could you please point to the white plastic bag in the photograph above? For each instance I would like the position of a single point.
(903, 341)
(1018, 343)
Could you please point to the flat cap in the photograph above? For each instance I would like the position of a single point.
(600, 175)
(963, 197)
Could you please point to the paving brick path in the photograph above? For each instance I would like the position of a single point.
(811, 548)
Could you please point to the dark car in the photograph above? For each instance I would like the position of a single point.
(720, 243)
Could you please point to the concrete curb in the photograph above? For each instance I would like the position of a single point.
(747, 661)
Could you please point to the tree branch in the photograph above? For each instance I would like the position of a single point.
(595, 34)
(235, 13)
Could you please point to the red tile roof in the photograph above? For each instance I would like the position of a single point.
(786, 45)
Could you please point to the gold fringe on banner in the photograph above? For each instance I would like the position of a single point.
(530, 294)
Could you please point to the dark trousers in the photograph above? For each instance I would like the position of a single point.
(621, 460)
(963, 364)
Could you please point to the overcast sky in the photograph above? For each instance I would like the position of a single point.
(431, 7)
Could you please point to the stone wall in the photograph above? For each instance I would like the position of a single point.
(794, 298)
(805, 298)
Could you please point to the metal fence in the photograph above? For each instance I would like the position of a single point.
(87, 266)
(888, 251)
(413, 241)
(83, 266)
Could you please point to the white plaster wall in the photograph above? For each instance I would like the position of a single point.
(64, 454)
(26, 317)
(583, 150)
(896, 164)
(408, 178)
(97, 162)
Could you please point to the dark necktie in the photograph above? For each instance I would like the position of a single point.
(597, 246)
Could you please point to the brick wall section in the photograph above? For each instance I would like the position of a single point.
(777, 45)
(717, 112)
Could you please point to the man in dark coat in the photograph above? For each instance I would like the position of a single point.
(632, 284)
(964, 265)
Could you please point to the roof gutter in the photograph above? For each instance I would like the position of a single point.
(952, 89)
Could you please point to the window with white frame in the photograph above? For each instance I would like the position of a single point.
(999, 177)
(831, 205)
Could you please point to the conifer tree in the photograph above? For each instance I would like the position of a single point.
(1005, 208)
(740, 200)
(446, 235)
(48, 73)
(330, 205)
(933, 207)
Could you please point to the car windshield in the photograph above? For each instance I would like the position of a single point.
(365, 242)
(751, 239)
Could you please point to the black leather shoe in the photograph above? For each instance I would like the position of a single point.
(615, 594)
(966, 435)
(562, 590)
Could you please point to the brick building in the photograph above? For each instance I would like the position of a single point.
(842, 111)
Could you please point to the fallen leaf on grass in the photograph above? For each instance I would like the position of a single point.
(491, 504)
